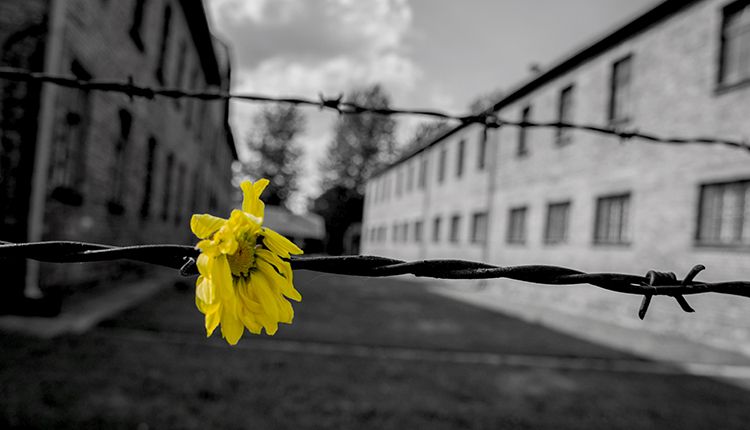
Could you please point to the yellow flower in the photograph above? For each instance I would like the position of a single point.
(245, 276)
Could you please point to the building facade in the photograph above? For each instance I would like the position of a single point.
(587, 201)
(102, 167)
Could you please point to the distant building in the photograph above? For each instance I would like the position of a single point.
(306, 231)
(97, 166)
(584, 200)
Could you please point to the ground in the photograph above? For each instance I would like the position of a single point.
(362, 353)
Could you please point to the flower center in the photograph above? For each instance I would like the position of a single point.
(241, 261)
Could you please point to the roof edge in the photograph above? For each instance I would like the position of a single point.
(640, 23)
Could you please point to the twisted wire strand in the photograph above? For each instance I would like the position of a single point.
(182, 257)
(488, 118)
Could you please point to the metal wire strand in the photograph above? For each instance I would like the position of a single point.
(183, 258)
(488, 118)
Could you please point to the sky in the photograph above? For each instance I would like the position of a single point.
(438, 54)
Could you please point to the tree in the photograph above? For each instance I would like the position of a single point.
(361, 144)
(276, 153)
(485, 101)
(424, 133)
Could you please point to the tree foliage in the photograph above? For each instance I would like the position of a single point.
(486, 101)
(276, 152)
(424, 133)
(361, 144)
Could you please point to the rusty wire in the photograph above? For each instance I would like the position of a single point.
(488, 119)
(182, 257)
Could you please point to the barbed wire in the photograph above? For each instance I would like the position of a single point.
(183, 257)
(487, 118)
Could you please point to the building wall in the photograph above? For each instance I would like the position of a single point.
(23, 30)
(390, 203)
(675, 66)
(192, 134)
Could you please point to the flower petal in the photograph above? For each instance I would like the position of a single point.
(206, 308)
(270, 315)
(221, 277)
(231, 326)
(204, 225)
(251, 202)
(286, 312)
(205, 291)
(266, 261)
(212, 321)
(278, 243)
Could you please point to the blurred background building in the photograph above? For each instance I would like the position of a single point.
(103, 167)
(579, 199)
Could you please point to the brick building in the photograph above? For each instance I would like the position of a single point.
(587, 201)
(101, 167)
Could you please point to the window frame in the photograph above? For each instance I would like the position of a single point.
(699, 240)
(475, 238)
(442, 161)
(563, 136)
(728, 11)
(563, 238)
(510, 237)
(460, 155)
(615, 91)
(436, 229)
(522, 148)
(454, 232)
(624, 234)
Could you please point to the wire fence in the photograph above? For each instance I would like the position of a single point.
(488, 118)
(182, 257)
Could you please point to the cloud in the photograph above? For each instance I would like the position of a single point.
(311, 47)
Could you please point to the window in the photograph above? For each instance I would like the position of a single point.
(523, 149)
(564, 114)
(482, 151)
(69, 147)
(166, 22)
(455, 228)
(479, 228)
(394, 233)
(441, 164)
(418, 226)
(410, 176)
(148, 179)
(168, 187)
(735, 44)
(399, 181)
(620, 104)
(460, 158)
(137, 24)
(405, 232)
(436, 229)
(422, 172)
(119, 166)
(556, 230)
(612, 220)
(517, 225)
(724, 214)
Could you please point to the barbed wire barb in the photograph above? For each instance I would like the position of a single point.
(487, 118)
